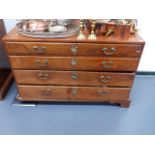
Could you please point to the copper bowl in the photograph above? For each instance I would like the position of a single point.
(36, 25)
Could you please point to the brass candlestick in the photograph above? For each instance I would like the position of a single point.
(92, 36)
(81, 36)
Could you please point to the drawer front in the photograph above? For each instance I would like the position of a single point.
(74, 63)
(69, 49)
(73, 78)
(72, 93)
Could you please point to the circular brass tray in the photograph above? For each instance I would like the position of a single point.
(72, 30)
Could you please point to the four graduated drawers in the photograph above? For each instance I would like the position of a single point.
(71, 70)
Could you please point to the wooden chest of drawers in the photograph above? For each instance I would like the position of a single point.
(71, 70)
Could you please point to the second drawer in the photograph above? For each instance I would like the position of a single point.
(74, 63)
(73, 78)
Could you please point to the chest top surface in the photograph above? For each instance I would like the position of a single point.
(13, 36)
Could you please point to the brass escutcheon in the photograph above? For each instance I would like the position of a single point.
(102, 92)
(74, 49)
(74, 61)
(74, 76)
(74, 91)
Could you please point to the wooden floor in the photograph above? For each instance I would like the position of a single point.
(82, 119)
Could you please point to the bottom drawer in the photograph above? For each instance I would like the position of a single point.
(66, 93)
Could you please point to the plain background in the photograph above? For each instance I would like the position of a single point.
(79, 145)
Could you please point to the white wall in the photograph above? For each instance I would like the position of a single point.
(147, 62)
(9, 24)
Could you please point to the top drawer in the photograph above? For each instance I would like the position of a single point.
(70, 49)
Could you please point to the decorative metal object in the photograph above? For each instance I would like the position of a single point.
(43, 63)
(74, 76)
(74, 49)
(56, 28)
(107, 64)
(74, 61)
(59, 28)
(74, 91)
(35, 25)
(104, 79)
(43, 76)
(92, 36)
(116, 27)
(102, 92)
(39, 49)
(107, 51)
(81, 36)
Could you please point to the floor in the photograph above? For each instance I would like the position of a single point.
(82, 119)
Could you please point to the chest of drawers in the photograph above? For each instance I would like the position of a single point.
(71, 70)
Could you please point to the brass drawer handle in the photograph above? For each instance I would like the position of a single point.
(108, 64)
(102, 92)
(107, 52)
(113, 49)
(74, 61)
(39, 49)
(74, 91)
(74, 49)
(46, 92)
(74, 76)
(42, 64)
(43, 76)
(104, 79)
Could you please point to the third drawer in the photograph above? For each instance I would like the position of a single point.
(80, 78)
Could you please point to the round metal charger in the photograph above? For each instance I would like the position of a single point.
(72, 30)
